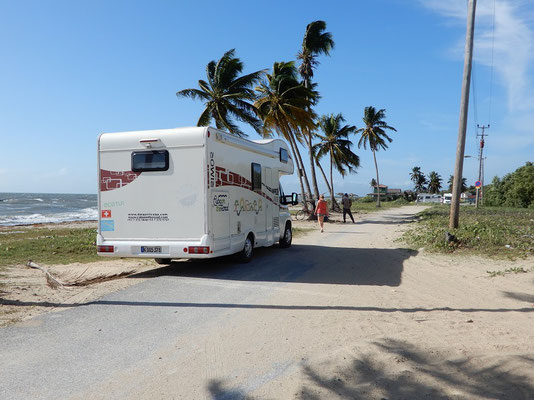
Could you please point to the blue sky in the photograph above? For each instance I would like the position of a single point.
(71, 70)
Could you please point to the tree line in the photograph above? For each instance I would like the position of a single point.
(282, 101)
(432, 183)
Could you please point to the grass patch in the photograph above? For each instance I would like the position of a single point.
(49, 246)
(299, 232)
(515, 270)
(366, 205)
(489, 231)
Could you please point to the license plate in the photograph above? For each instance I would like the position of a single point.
(150, 249)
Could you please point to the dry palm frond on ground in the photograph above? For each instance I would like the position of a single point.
(55, 283)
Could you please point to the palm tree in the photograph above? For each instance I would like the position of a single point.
(434, 182)
(284, 106)
(373, 184)
(315, 42)
(335, 143)
(227, 95)
(374, 136)
(419, 179)
(463, 187)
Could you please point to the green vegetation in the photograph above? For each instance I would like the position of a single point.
(367, 204)
(418, 179)
(299, 232)
(48, 246)
(513, 190)
(489, 231)
(516, 270)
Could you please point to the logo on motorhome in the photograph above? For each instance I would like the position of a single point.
(106, 213)
(220, 202)
(244, 205)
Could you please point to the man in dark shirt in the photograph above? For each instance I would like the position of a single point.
(347, 204)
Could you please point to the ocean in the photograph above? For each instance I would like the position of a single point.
(37, 208)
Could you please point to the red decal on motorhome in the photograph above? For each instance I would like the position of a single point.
(110, 180)
(228, 178)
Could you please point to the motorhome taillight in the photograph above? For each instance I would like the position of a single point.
(199, 249)
(105, 249)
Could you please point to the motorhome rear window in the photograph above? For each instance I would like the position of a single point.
(256, 176)
(283, 155)
(154, 160)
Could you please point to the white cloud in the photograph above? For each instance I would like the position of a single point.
(513, 43)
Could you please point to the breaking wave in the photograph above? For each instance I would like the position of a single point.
(86, 214)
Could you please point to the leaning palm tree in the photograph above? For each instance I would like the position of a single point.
(227, 95)
(284, 106)
(334, 142)
(374, 136)
(315, 42)
(434, 182)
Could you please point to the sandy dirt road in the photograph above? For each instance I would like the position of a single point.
(347, 314)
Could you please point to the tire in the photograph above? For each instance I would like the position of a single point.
(245, 255)
(285, 241)
(163, 261)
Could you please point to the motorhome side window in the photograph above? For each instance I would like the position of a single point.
(155, 160)
(283, 155)
(256, 176)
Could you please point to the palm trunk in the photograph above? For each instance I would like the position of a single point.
(312, 163)
(335, 205)
(304, 176)
(299, 175)
(332, 180)
(377, 182)
(324, 176)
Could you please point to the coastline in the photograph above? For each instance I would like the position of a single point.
(51, 225)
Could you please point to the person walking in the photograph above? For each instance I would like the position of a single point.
(347, 204)
(321, 210)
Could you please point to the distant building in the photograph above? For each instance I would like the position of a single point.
(386, 192)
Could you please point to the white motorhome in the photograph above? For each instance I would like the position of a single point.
(447, 198)
(428, 198)
(191, 193)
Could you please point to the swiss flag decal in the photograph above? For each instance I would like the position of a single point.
(106, 213)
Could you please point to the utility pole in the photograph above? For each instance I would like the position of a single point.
(460, 147)
(480, 191)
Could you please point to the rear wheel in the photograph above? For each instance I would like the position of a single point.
(246, 254)
(163, 261)
(285, 241)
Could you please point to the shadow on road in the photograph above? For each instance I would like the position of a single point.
(413, 373)
(301, 263)
(394, 369)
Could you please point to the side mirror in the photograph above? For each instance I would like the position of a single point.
(294, 199)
